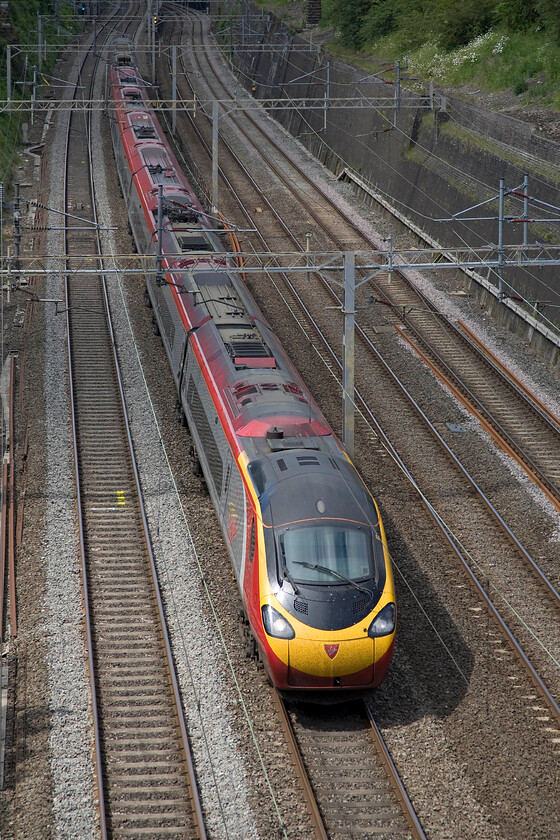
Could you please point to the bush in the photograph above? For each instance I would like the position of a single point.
(380, 20)
(517, 15)
(457, 24)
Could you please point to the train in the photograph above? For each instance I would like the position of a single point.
(303, 532)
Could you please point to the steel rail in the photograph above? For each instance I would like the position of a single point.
(394, 777)
(8, 517)
(319, 830)
(500, 436)
(12, 506)
(3, 542)
(540, 406)
(298, 757)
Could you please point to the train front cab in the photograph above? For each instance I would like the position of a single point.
(318, 631)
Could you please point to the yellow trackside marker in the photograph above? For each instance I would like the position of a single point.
(120, 497)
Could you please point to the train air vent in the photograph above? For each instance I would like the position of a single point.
(301, 606)
(307, 460)
(359, 606)
(281, 465)
(144, 132)
(132, 95)
(243, 390)
(252, 354)
(194, 243)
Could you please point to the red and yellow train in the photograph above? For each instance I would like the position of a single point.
(304, 534)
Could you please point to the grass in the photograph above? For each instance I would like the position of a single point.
(526, 65)
(23, 20)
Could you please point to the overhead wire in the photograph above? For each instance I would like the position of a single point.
(440, 161)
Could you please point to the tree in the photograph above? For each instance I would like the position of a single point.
(349, 17)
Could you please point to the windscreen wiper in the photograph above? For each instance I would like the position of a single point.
(317, 567)
(288, 576)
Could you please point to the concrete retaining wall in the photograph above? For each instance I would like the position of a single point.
(428, 164)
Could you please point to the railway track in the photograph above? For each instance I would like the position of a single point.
(351, 785)
(498, 583)
(507, 410)
(144, 768)
(447, 335)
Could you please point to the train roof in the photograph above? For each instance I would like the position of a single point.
(333, 489)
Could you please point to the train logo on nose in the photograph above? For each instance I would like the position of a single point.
(331, 650)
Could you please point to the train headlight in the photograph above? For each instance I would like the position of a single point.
(384, 622)
(275, 624)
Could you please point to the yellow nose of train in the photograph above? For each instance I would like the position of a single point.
(316, 659)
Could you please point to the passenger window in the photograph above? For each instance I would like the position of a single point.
(252, 542)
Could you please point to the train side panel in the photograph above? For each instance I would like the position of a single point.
(223, 479)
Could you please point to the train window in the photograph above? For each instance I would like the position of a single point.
(258, 476)
(242, 391)
(327, 554)
(252, 542)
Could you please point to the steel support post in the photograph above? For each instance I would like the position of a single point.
(215, 156)
(40, 40)
(34, 93)
(327, 96)
(174, 89)
(153, 28)
(348, 353)
(8, 72)
(501, 240)
(526, 209)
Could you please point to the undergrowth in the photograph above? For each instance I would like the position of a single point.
(524, 64)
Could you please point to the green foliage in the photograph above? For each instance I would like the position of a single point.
(495, 44)
(449, 23)
(381, 19)
(517, 15)
(22, 29)
(349, 17)
(457, 24)
(549, 15)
